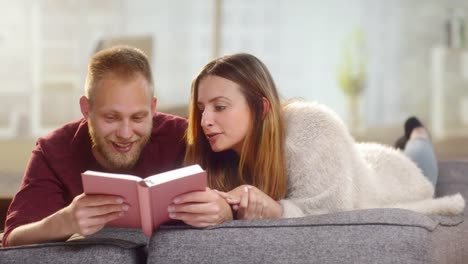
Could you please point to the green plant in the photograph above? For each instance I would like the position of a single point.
(352, 66)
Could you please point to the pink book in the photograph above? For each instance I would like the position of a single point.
(148, 198)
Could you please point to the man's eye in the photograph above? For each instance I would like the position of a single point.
(138, 119)
(220, 107)
(110, 118)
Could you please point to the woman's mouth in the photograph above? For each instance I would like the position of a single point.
(212, 137)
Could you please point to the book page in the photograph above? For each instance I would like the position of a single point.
(112, 175)
(172, 175)
(163, 194)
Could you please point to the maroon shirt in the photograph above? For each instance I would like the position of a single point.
(53, 174)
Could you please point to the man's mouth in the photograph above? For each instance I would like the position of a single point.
(122, 147)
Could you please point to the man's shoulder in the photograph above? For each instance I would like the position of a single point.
(64, 135)
(164, 124)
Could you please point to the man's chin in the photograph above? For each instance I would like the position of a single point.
(122, 162)
(121, 166)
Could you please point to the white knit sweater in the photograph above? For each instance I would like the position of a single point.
(329, 172)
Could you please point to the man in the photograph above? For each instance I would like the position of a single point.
(120, 132)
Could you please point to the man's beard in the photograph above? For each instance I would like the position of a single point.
(118, 162)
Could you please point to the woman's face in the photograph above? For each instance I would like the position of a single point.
(226, 116)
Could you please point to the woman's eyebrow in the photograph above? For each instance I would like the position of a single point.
(214, 99)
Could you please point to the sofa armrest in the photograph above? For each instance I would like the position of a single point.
(77, 251)
(110, 245)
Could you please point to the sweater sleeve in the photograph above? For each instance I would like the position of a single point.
(40, 195)
(290, 209)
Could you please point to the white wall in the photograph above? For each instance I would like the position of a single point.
(299, 40)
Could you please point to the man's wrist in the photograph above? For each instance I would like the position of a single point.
(60, 224)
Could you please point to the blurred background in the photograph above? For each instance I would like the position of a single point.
(374, 62)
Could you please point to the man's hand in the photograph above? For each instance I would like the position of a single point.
(88, 214)
(85, 215)
(251, 203)
(200, 209)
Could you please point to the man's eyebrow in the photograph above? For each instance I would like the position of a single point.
(115, 112)
(142, 112)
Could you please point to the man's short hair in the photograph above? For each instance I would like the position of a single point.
(124, 61)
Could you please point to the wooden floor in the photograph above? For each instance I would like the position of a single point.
(4, 203)
(452, 149)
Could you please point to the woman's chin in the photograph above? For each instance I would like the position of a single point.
(217, 149)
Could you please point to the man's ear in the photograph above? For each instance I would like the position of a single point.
(84, 106)
(154, 102)
(266, 107)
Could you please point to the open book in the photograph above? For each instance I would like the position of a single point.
(148, 198)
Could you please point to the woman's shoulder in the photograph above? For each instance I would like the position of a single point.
(311, 113)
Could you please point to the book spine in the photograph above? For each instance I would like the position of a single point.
(145, 209)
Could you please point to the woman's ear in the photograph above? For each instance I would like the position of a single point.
(266, 107)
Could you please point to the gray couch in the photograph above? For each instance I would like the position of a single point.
(363, 236)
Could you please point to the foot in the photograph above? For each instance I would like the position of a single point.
(413, 128)
(401, 142)
(419, 132)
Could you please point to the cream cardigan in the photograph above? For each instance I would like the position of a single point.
(329, 172)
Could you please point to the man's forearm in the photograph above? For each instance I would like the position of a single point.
(52, 228)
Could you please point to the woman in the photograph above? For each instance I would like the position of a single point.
(270, 161)
(236, 132)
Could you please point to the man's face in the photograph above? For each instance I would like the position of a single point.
(120, 121)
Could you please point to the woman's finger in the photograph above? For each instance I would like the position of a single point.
(252, 205)
(230, 199)
(243, 204)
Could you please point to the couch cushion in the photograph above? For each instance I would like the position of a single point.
(364, 236)
(128, 234)
(453, 178)
(89, 250)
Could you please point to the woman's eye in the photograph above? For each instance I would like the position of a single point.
(220, 107)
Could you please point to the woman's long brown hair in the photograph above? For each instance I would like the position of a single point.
(261, 161)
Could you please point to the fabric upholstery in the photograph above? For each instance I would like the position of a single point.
(129, 234)
(453, 178)
(363, 236)
(78, 251)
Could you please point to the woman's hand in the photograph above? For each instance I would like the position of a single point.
(200, 209)
(251, 203)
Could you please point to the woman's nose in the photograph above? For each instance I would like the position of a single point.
(207, 119)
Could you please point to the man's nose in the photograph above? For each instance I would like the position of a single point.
(125, 130)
